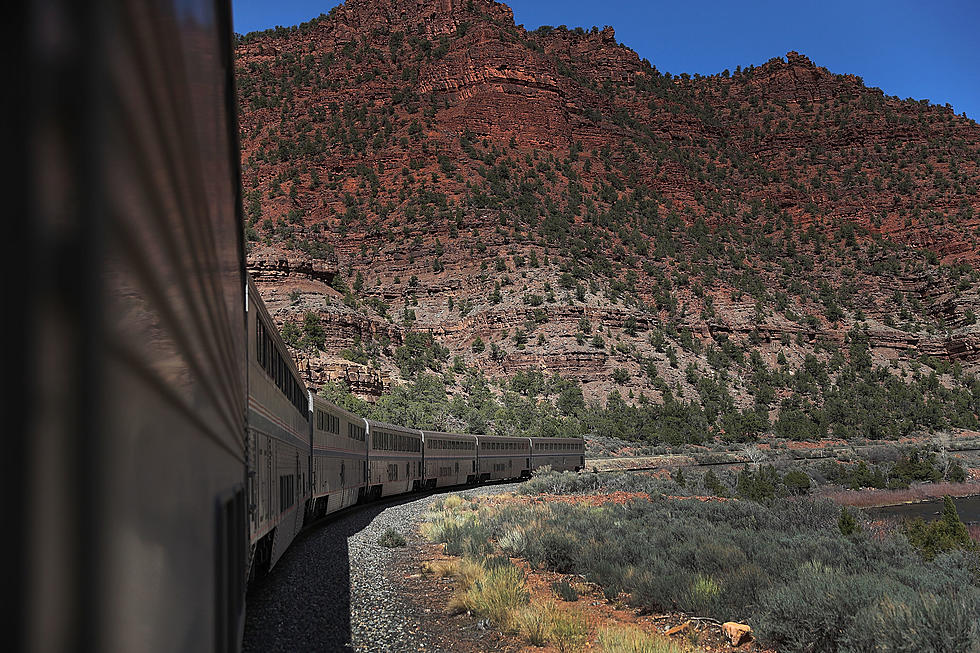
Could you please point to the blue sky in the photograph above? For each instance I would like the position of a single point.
(910, 48)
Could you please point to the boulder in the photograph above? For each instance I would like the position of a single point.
(736, 632)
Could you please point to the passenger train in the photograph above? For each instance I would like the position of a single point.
(309, 457)
(161, 441)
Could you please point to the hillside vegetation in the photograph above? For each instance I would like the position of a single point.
(774, 249)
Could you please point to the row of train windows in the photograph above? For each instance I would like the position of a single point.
(503, 446)
(355, 432)
(287, 491)
(275, 365)
(449, 444)
(394, 442)
(327, 422)
(559, 446)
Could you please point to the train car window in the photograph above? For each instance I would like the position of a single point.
(287, 491)
(275, 365)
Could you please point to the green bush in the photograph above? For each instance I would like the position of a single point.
(391, 539)
(947, 533)
(847, 523)
(564, 590)
(714, 485)
(816, 611)
(797, 482)
(939, 624)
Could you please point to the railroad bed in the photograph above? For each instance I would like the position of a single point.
(331, 591)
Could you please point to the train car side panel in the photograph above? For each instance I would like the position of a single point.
(339, 457)
(278, 429)
(450, 459)
(503, 457)
(131, 363)
(560, 454)
(394, 459)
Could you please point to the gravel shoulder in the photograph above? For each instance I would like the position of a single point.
(337, 589)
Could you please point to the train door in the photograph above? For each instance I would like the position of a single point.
(270, 454)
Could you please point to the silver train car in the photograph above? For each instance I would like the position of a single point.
(277, 439)
(502, 458)
(127, 448)
(560, 454)
(340, 457)
(394, 459)
(450, 459)
(164, 443)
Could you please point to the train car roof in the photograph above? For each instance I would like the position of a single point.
(503, 438)
(323, 402)
(545, 439)
(444, 434)
(393, 427)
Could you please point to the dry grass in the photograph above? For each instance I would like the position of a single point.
(634, 640)
(464, 570)
(569, 629)
(451, 502)
(492, 587)
(495, 594)
(547, 623)
(874, 498)
(500, 593)
(533, 624)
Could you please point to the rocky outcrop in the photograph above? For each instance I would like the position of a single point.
(362, 380)
(270, 265)
(423, 151)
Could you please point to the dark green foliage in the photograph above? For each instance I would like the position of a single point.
(759, 485)
(796, 481)
(564, 590)
(944, 534)
(714, 485)
(311, 336)
(314, 335)
(847, 523)
(679, 477)
(391, 539)
(767, 483)
(419, 352)
(914, 466)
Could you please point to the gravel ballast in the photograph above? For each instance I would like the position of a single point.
(336, 588)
